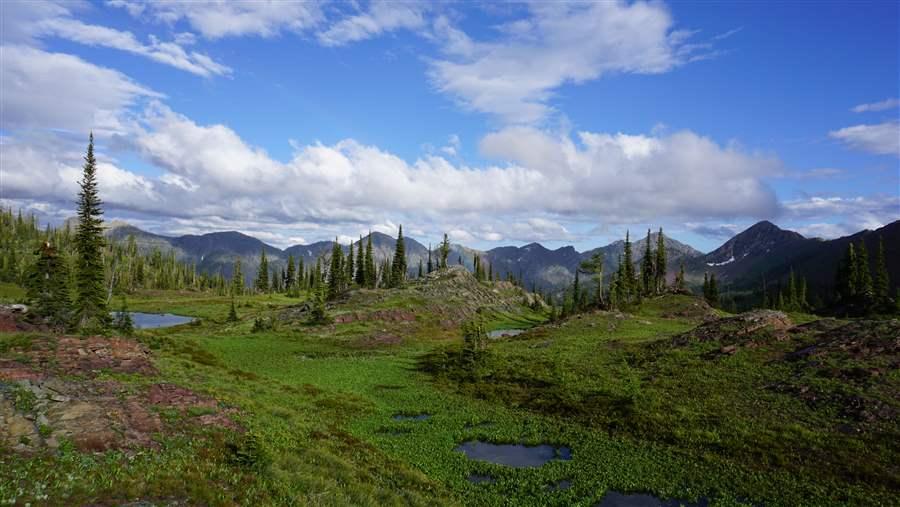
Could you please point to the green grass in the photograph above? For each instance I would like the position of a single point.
(317, 405)
(11, 293)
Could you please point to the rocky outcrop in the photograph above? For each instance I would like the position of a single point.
(51, 392)
(739, 330)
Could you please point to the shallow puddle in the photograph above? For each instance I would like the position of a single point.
(156, 320)
(407, 417)
(514, 455)
(500, 333)
(478, 479)
(616, 499)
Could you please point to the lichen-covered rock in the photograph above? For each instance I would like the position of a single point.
(50, 392)
(738, 329)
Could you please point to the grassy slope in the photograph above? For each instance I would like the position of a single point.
(318, 409)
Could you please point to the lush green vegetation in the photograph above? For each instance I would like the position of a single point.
(639, 414)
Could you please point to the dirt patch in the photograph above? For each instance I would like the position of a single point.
(379, 340)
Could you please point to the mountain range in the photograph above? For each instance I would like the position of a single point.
(762, 252)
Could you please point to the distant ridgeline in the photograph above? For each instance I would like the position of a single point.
(754, 268)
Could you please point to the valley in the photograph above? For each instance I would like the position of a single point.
(735, 412)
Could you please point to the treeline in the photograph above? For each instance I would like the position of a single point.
(860, 289)
(124, 266)
(627, 286)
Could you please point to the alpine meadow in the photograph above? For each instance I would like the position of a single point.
(607, 253)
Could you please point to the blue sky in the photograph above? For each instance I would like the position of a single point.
(499, 123)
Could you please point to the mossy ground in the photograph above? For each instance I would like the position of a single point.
(639, 416)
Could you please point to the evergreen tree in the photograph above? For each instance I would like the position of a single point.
(398, 267)
(627, 280)
(444, 250)
(349, 265)
(712, 291)
(882, 282)
(648, 277)
(430, 264)
(361, 264)
(421, 273)
(387, 272)
(91, 302)
(262, 274)
(371, 275)
(845, 279)
(792, 299)
(660, 268)
(576, 294)
(237, 278)
(490, 272)
(232, 312)
(123, 322)
(594, 266)
(802, 303)
(336, 272)
(290, 275)
(864, 275)
(319, 312)
(48, 288)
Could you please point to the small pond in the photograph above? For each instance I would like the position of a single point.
(501, 333)
(514, 455)
(616, 499)
(155, 320)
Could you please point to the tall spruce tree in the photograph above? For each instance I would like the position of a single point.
(91, 303)
(679, 278)
(660, 268)
(882, 282)
(262, 274)
(336, 271)
(398, 266)
(864, 275)
(713, 298)
(360, 264)
(444, 251)
(371, 274)
(290, 275)
(576, 294)
(237, 279)
(648, 277)
(845, 279)
(628, 280)
(430, 265)
(349, 267)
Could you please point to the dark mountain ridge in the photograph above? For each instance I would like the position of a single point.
(761, 252)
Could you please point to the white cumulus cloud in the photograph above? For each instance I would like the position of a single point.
(880, 139)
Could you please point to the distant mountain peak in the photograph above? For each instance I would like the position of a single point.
(760, 238)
